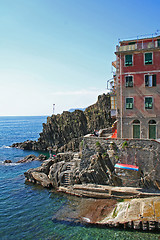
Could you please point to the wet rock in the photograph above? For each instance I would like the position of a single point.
(7, 161)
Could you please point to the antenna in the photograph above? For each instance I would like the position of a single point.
(140, 36)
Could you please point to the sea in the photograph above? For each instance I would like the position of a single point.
(28, 211)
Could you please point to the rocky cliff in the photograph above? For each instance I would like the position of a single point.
(65, 170)
(64, 132)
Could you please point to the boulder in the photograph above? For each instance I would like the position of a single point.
(7, 161)
(42, 179)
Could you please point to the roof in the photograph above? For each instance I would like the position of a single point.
(139, 39)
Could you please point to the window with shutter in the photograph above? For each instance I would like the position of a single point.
(128, 60)
(129, 81)
(150, 80)
(129, 103)
(148, 58)
(148, 103)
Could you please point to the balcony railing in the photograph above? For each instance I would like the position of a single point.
(127, 48)
(138, 46)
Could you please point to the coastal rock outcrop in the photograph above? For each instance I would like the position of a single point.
(64, 132)
(31, 157)
(66, 169)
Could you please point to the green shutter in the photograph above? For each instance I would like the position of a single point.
(154, 80)
(129, 81)
(148, 103)
(136, 131)
(146, 80)
(152, 131)
(129, 103)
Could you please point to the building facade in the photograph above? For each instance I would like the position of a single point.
(138, 88)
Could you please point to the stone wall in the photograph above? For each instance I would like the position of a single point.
(143, 153)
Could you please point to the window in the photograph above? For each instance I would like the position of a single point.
(148, 103)
(129, 81)
(150, 80)
(128, 60)
(136, 122)
(148, 58)
(158, 42)
(129, 103)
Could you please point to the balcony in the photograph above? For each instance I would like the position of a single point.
(126, 48)
(138, 46)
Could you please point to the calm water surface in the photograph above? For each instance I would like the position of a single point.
(31, 212)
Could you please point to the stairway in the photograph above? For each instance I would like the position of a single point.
(67, 180)
(67, 175)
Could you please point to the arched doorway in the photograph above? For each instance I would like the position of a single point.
(136, 129)
(152, 129)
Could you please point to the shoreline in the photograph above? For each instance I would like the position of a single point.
(131, 213)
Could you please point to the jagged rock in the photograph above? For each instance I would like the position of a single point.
(31, 158)
(42, 157)
(28, 158)
(27, 145)
(63, 132)
(66, 169)
(54, 173)
(66, 157)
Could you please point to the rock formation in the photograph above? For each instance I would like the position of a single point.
(64, 132)
(66, 169)
(32, 157)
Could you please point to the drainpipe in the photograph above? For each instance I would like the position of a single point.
(121, 97)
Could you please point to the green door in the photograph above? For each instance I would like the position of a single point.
(152, 131)
(136, 131)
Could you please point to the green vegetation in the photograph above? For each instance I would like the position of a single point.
(114, 212)
(125, 144)
(81, 144)
(120, 200)
(117, 157)
(98, 144)
(104, 154)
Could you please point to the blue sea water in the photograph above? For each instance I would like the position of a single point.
(28, 211)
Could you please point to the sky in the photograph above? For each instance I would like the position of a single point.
(60, 51)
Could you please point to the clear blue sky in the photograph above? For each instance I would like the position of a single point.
(60, 51)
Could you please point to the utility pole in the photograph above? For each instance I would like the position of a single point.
(53, 108)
